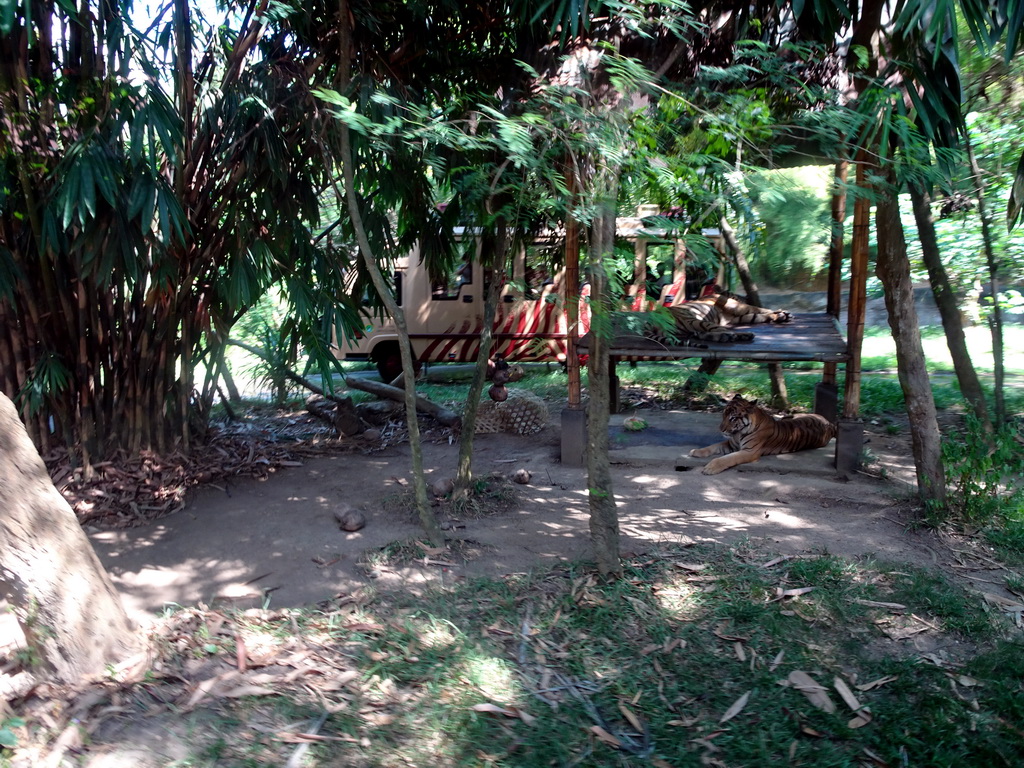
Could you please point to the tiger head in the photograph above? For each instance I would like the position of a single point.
(740, 416)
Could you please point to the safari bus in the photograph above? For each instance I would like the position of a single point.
(445, 319)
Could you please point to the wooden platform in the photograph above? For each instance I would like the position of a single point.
(808, 336)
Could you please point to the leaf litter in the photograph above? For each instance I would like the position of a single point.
(620, 688)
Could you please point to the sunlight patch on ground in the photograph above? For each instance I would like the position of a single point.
(492, 678)
(678, 598)
(434, 634)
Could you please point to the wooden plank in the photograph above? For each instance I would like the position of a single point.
(807, 337)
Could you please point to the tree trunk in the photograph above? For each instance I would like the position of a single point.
(70, 613)
(604, 518)
(946, 301)
(995, 318)
(492, 284)
(427, 519)
(893, 269)
(780, 397)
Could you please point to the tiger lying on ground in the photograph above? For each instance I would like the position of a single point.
(753, 432)
(710, 317)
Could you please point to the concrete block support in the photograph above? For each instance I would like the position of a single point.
(826, 401)
(849, 444)
(574, 437)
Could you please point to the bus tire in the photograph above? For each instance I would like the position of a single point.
(388, 358)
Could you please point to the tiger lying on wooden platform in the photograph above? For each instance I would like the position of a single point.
(753, 432)
(710, 317)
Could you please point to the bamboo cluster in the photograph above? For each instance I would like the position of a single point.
(137, 226)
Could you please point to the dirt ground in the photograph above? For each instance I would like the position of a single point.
(277, 542)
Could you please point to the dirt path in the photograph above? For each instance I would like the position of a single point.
(277, 542)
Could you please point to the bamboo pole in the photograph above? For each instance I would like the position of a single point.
(835, 256)
(572, 305)
(858, 292)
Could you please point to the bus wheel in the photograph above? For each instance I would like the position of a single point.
(388, 358)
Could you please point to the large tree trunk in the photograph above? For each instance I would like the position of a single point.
(69, 611)
(604, 518)
(893, 269)
(949, 310)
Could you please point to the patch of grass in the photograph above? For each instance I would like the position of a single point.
(986, 489)
(879, 351)
(490, 495)
(562, 668)
(941, 600)
(1007, 537)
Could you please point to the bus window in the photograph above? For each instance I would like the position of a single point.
(537, 273)
(448, 290)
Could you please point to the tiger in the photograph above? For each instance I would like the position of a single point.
(754, 432)
(711, 317)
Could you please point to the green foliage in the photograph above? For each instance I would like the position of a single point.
(793, 225)
(8, 739)
(47, 380)
(985, 474)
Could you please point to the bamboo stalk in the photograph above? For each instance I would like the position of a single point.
(835, 257)
(858, 292)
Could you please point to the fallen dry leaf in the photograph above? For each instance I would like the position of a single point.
(309, 738)
(846, 694)
(736, 708)
(631, 717)
(776, 661)
(604, 736)
(718, 632)
(494, 709)
(877, 604)
(875, 758)
(810, 688)
(740, 653)
(247, 690)
(876, 683)
(1004, 603)
(428, 550)
(339, 681)
(526, 717)
(206, 686)
(782, 594)
(862, 718)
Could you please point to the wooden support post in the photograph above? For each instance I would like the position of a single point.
(574, 418)
(857, 305)
(835, 258)
(613, 385)
(850, 439)
(638, 290)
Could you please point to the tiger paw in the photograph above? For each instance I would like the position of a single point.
(713, 467)
(781, 316)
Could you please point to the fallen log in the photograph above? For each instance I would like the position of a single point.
(443, 415)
